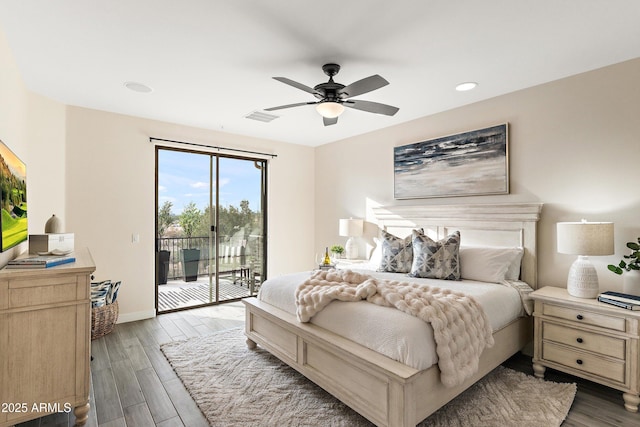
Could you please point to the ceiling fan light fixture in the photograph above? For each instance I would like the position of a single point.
(329, 109)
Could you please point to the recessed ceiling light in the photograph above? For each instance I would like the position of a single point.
(466, 86)
(138, 87)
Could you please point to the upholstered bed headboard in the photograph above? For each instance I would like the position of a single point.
(497, 225)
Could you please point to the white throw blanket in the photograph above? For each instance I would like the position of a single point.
(461, 328)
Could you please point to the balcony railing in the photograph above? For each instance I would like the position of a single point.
(233, 254)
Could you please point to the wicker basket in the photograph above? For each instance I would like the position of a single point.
(103, 319)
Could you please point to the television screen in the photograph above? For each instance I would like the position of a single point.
(13, 184)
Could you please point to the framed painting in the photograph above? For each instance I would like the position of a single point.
(467, 164)
(13, 183)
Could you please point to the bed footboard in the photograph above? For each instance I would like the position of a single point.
(386, 392)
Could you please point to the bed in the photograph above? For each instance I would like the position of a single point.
(389, 392)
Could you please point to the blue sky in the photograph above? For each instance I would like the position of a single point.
(184, 177)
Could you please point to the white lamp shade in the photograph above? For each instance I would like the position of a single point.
(330, 110)
(585, 238)
(351, 227)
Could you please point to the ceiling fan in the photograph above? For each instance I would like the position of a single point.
(333, 97)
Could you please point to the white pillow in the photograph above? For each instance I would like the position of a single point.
(487, 264)
(376, 253)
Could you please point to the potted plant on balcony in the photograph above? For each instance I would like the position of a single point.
(165, 219)
(189, 219)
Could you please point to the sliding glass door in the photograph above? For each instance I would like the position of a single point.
(210, 225)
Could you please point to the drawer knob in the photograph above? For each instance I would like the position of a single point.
(579, 340)
(579, 361)
(579, 317)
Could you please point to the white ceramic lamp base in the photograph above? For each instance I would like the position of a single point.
(351, 248)
(583, 279)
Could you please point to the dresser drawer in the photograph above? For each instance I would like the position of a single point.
(585, 317)
(583, 340)
(27, 293)
(605, 368)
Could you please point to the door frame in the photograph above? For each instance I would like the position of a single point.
(213, 235)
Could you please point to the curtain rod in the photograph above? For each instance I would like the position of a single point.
(151, 139)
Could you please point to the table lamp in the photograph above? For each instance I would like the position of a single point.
(351, 228)
(584, 239)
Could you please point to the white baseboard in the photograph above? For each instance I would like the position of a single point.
(132, 317)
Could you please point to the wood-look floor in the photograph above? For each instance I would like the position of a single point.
(134, 385)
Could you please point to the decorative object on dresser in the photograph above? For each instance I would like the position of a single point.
(53, 225)
(584, 239)
(351, 228)
(45, 331)
(631, 279)
(46, 244)
(589, 339)
(474, 163)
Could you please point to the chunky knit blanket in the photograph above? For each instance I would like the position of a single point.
(461, 328)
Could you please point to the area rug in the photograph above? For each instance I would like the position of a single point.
(235, 386)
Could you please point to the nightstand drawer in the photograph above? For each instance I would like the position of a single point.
(585, 317)
(597, 343)
(599, 366)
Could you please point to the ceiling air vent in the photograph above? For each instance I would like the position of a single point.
(261, 116)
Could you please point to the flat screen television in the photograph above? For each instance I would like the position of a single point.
(13, 184)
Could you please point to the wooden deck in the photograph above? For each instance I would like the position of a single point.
(178, 294)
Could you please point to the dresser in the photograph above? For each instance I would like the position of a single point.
(45, 341)
(588, 339)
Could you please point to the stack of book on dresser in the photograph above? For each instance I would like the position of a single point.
(41, 261)
(628, 301)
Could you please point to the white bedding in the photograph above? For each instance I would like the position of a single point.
(389, 331)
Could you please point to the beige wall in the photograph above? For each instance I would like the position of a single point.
(110, 191)
(33, 127)
(574, 146)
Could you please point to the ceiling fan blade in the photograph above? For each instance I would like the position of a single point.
(363, 86)
(372, 107)
(297, 85)
(282, 107)
(329, 122)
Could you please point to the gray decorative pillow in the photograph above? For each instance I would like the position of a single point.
(397, 253)
(436, 260)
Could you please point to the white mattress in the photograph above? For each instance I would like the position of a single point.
(389, 331)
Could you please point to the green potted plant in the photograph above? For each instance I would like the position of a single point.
(165, 219)
(631, 268)
(189, 219)
(336, 251)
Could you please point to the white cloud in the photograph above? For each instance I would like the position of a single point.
(200, 184)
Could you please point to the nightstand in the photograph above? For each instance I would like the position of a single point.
(588, 339)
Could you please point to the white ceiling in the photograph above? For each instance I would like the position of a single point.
(210, 62)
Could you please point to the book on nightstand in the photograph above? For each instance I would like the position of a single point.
(619, 296)
(621, 304)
